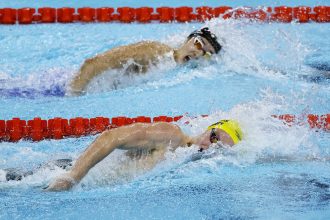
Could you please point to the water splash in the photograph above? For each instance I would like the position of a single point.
(49, 83)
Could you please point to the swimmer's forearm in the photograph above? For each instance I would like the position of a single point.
(96, 152)
(90, 69)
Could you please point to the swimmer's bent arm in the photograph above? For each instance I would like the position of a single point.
(142, 54)
(136, 136)
(90, 69)
(113, 59)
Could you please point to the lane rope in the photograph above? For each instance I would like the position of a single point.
(301, 14)
(39, 129)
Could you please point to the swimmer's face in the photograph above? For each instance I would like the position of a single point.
(204, 140)
(194, 48)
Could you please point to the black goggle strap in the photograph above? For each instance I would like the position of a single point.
(213, 136)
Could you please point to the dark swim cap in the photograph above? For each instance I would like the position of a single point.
(209, 36)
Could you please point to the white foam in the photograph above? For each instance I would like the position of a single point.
(2, 175)
(247, 49)
(264, 136)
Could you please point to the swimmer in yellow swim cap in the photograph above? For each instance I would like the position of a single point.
(138, 57)
(154, 138)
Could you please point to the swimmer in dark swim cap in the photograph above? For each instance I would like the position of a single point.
(200, 43)
(153, 137)
(138, 57)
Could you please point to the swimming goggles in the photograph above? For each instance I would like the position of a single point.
(214, 138)
(199, 44)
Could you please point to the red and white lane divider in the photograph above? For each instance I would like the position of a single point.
(27, 15)
(38, 129)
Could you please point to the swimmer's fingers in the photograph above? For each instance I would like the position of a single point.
(60, 184)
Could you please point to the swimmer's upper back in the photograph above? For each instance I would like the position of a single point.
(150, 135)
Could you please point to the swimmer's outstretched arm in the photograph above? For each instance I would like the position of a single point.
(136, 136)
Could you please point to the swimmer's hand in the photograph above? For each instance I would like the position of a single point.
(62, 183)
(74, 92)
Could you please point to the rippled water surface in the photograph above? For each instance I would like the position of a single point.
(276, 172)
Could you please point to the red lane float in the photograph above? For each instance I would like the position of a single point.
(79, 126)
(14, 129)
(301, 13)
(58, 128)
(126, 15)
(143, 14)
(47, 15)
(322, 13)
(286, 14)
(99, 124)
(104, 14)
(165, 14)
(223, 11)
(258, 15)
(204, 13)
(8, 16)
(25, 15)
(282, 14)
(240, 13)
(86, 14)
(2, 129)
(36, 129)
(65, 15)
(184, 14)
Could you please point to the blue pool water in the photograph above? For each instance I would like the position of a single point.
(276, 172)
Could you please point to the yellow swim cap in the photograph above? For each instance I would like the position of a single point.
(231, 127)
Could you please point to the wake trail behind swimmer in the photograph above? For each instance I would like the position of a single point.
(17, 174)
(21, 92)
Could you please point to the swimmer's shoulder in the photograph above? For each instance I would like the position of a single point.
(151, 47)
(154, 45)
(159, 126)
(145, 48)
